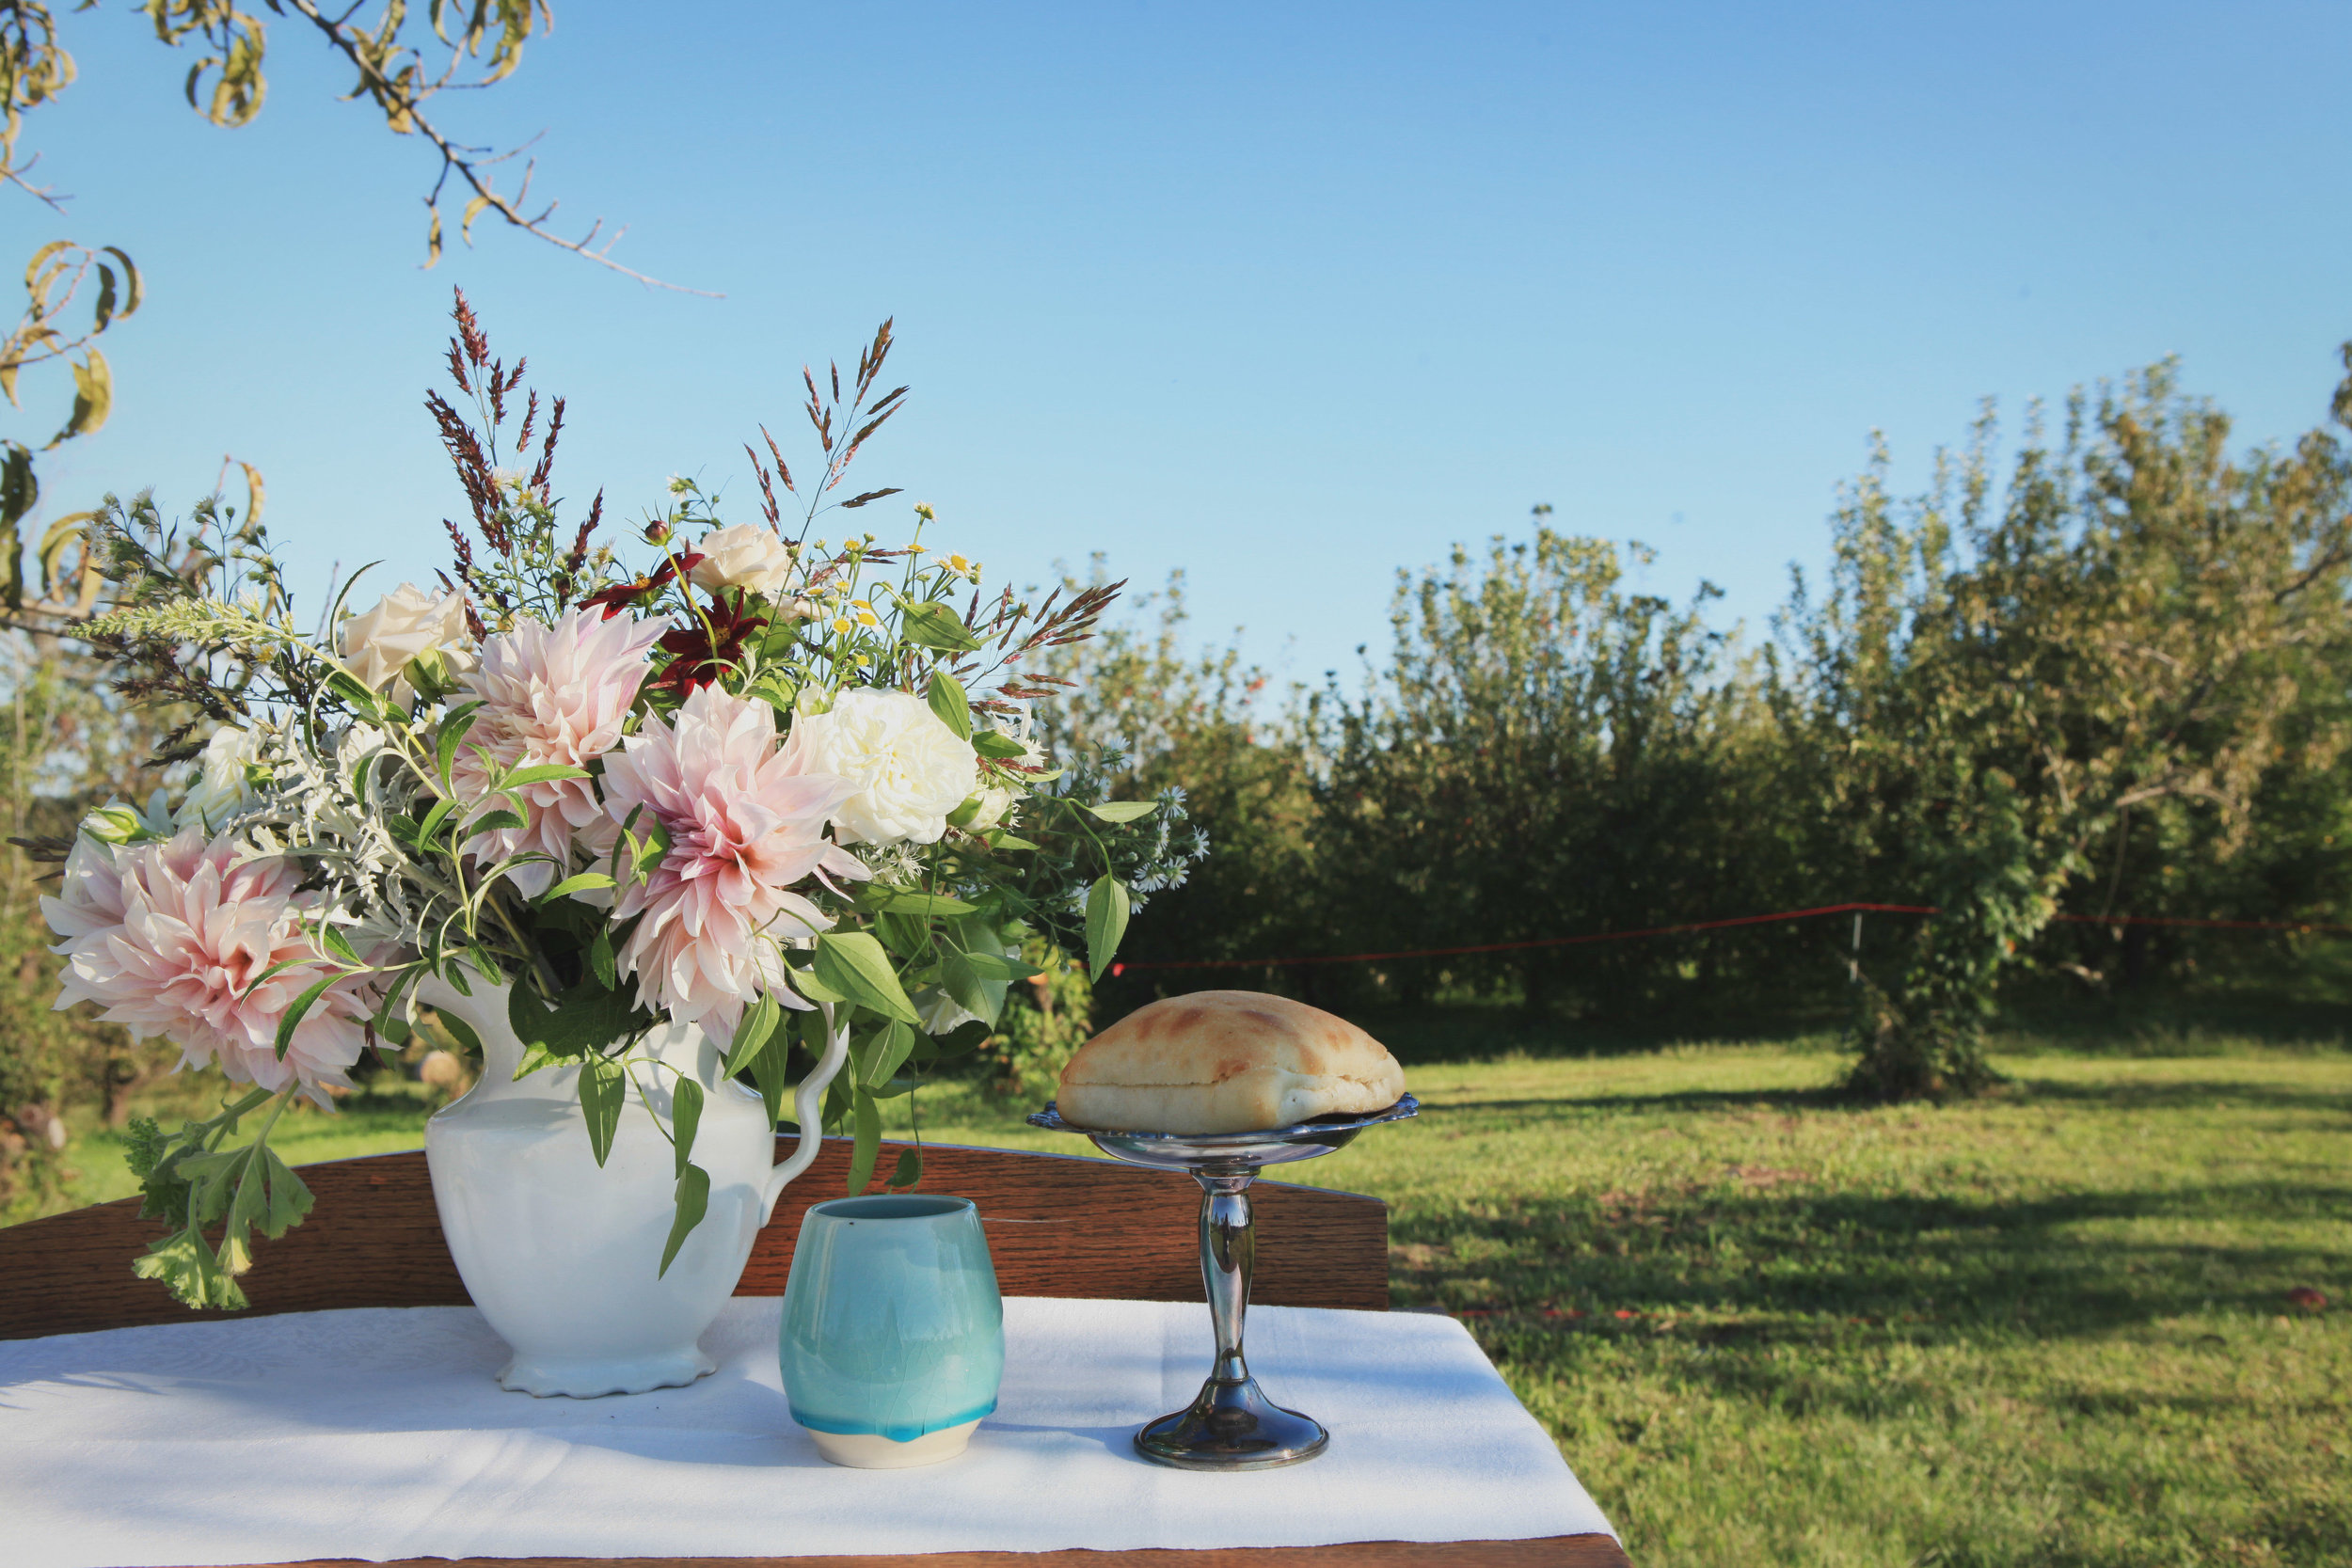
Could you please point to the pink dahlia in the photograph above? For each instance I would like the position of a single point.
(166, 937)
(746, 821)
(556, 693)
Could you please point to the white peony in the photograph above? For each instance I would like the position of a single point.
(379, 643)
(743, 557)
(220, 789)
(910, 770)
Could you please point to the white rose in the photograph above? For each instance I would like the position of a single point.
(994, 801)
(998, 799)
(910, 770)
(743, 557)
(378, 643)
(220, 789)
(118, 823)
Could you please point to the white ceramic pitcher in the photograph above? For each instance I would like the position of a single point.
(563, 1257)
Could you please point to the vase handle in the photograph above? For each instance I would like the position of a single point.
(807, 1109)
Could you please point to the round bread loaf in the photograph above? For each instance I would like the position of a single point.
(1226, 1061)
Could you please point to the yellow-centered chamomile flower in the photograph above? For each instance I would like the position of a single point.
(843, 625)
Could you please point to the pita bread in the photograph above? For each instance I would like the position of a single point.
(1226, 1061)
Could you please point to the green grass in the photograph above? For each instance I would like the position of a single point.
(2051, 1327)
(377, 1123)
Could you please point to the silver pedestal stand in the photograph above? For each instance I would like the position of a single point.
(1231, 1425)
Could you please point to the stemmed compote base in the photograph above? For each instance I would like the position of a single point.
(1230, 1425)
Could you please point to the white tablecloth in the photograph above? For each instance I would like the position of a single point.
(379, 1434)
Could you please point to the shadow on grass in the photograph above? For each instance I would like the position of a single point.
(2226, 1094)
(1765, 1266)
(1786, 1101)
(2219, 1094)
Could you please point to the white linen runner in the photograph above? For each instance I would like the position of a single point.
(380, 1434)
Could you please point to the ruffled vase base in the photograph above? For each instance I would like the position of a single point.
(871, 1451)
(547, 1377)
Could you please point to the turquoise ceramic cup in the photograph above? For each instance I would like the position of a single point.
(894, 1334)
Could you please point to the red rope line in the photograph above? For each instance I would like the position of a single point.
(1687, 926)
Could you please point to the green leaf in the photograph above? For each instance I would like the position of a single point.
(906, 935)
(997, 744)
(693, 1202)
(293, 1014)
(289, 1198)
(751, 1035)
(459, 1030)
(1009, 841)
(840, 1096)
(686, 1115)
(134, 291)
(540, 772)
(1123, 811)
(273, 972)
(996, 966)
(337, 944)
(587, 1018)
(432, 820)
(603, 1083)
(910, 1168)
(583, 882)
(1107, 908)
(868, 1116)
(900, 902)
(965, 1037)
(495, 820)
(895, 1044)
(809, 984)
(366, 703)
(853, 964)
(525, 1014)
(936, 625)
(772, 1070)
(185, 1263)
(93, 397)
(210, 1179)
(601, 959)
(454, 730)
(953, 708)
(862, 1047)
(963, 982)
(645, 853)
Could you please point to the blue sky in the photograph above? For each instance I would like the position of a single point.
(1285, 296)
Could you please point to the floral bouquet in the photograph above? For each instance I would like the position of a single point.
(751, 780)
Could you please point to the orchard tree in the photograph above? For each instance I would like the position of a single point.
(1547, 753)
(68, 742)
(2004, 674)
